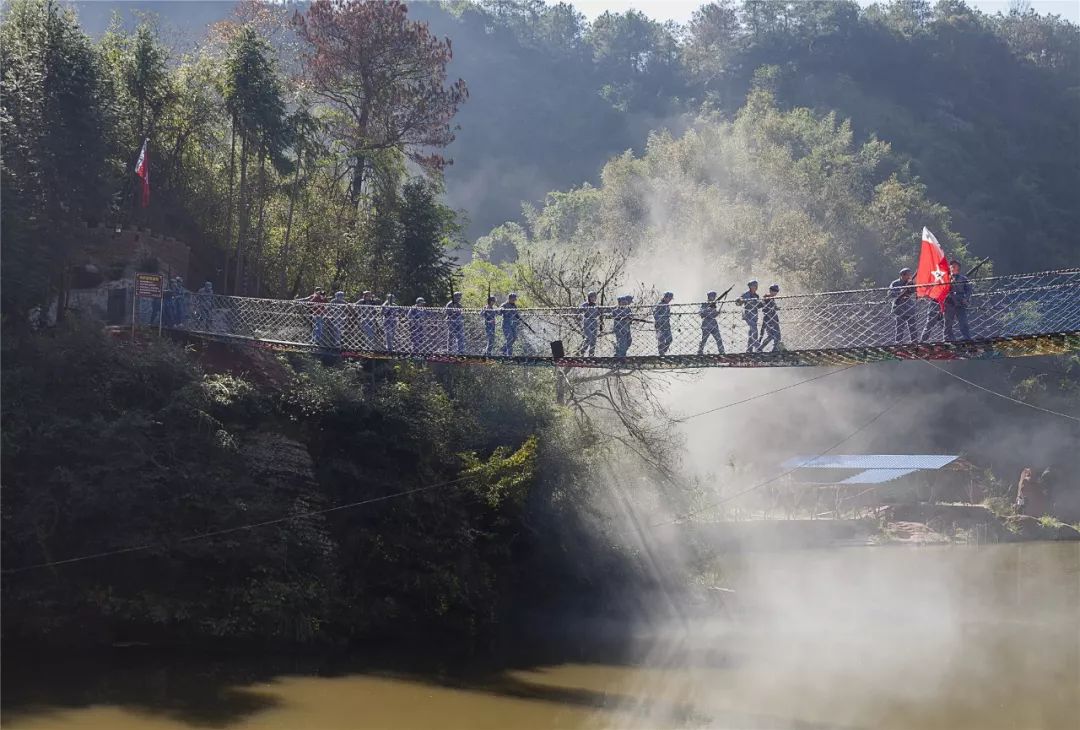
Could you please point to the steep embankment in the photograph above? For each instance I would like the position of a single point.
(171, 479)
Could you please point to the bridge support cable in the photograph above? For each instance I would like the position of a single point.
(1007, 316)
(720, 502)
(1002, 395)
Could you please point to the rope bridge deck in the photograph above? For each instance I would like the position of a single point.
(1007, 316)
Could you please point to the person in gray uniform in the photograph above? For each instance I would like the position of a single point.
(621, 317)
(902, 294)
(590, 325)
(751, 303)
(709, 326)
(455, 325)
(662, 323)
(770, 320)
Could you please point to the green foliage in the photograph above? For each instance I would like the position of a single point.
(791, 194)
(158, 453)
(52, 117)
(505, 477)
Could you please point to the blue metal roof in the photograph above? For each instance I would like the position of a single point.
(893, 462)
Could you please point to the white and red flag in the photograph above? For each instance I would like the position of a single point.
(932, 276)
(142, 169)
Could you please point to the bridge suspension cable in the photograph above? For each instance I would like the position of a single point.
(1002, 395)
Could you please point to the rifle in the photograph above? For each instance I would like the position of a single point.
(521, 319)
(727, 291)
(976, 267)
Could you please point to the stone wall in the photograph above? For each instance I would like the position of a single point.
(123, 252)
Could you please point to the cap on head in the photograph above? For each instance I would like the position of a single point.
(752, 282)
(339, 294)
(669, 294)
(491, 300)
(710, 294)
(456, 295)
(956, 262)
(774, 287)
(420, 300)
(905, 270)
(591, 295)
(512, 295)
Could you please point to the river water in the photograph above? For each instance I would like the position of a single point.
(855, 638)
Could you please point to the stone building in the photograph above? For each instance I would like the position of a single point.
(104, 267)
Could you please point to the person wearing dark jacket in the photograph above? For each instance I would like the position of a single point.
(390, 319)
(490, 314)
(662, 321)
(902, 295)
(957, 303)
(510, 323)
(751, 303)
(417, 318)
(621, 317)
(770, 320)
(709, 326)
(455, 325)
(590, 325)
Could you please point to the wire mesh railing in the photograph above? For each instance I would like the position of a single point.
(750, 326)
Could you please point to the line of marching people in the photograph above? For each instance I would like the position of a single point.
(761, 331)
(386, 326)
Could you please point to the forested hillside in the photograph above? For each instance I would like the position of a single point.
(985, 108)
(356, 146)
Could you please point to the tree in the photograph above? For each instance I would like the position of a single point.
(428, 229)
(713, 38)
(639, 59)
(253, 95)
(54, 154)
(142, 85)
(385, 76)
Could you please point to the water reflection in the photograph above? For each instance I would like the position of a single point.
(860, 638)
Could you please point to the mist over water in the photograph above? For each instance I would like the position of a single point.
(880, 638)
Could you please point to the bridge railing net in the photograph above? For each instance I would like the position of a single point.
(1004, 306)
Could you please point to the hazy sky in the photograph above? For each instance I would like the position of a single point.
(681, 10)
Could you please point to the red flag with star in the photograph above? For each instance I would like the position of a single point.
(142, 169)
(932, 276)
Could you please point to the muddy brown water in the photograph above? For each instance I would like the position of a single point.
(943, 637)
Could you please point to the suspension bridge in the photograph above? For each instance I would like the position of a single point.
(1008, 316)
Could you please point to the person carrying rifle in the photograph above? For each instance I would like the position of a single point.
(709, 326)
(770, 320)
(902, 294)
(957, 302)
